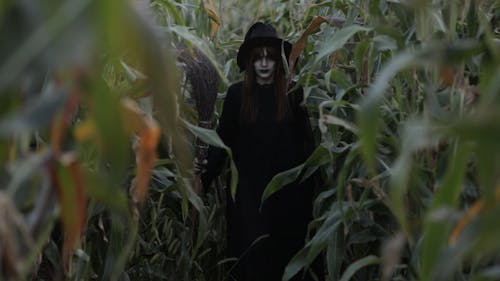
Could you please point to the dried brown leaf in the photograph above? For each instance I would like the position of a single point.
(148, 131)
(313, 28)
(301, 43)
(69, 183)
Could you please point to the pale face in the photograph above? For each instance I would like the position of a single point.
(264, 67)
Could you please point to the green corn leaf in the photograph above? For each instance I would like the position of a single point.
(280, 180)
(320, 156)
(172, 9)
(338, 40)
(43, 38)
(26, 169)
(100, 188)
(335, 255)
(206, 135)
(322, 237)
(368, 116)
(320, 240)
(203, 230)
(351, 270)
(37, 114)
(436, 233)
(210, 137)
(416, 136)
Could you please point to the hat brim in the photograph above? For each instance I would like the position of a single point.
(247, 46)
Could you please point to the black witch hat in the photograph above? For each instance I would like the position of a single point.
(260, 34)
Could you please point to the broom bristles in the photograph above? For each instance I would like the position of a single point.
(204, 81)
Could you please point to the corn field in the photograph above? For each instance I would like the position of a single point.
(99, 125)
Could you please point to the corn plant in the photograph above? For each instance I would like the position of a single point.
(98, 125)
(81, 84)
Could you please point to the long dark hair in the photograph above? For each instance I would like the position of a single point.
(249, 110)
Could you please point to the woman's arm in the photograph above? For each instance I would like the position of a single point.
(303, 134)
(227, 130)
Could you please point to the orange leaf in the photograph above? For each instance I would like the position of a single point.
(212, 14)
(60, 125)
(447, 76)
(85, 130)
(146, 158)
(213, 28)
(148, 131)
(210, 9)
(471, 213)
(313, 28)
(68, 181)
(301, 43)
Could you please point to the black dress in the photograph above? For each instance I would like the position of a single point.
(261, 150)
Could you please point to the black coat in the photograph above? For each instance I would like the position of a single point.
(261, 150)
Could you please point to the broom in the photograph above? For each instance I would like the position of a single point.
(204, 81)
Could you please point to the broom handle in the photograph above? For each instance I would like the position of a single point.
(201, 156)
(202, 147)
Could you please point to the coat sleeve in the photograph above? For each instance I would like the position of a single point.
(227, 130)
(303, 133)
(305, 143)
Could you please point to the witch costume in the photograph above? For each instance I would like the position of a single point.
(264, 239)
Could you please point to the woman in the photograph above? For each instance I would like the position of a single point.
(268, 132)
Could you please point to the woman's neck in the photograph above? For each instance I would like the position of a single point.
(264, 81)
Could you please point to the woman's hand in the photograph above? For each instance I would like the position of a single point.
(199, 166)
